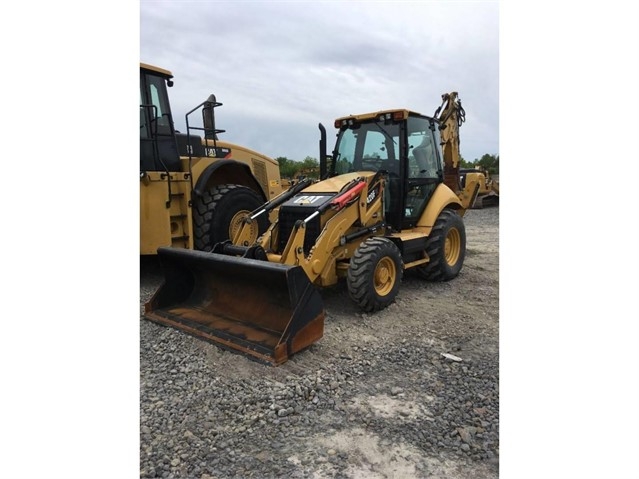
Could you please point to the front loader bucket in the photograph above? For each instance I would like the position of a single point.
(267, 310)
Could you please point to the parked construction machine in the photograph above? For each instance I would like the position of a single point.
(389, 199)
(194, 188)
(488, 193)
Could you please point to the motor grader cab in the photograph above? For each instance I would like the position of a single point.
(383, 205)
(194, 188)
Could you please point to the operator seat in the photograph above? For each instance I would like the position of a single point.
(424, 155)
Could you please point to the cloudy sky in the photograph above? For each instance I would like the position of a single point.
(280, 68)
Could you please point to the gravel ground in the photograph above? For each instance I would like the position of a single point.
(375, 398)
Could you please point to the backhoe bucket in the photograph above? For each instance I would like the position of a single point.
(266, 310)
(486, 200)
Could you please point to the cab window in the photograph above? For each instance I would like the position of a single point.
(155, 116)
(368, 146)
(423, 161)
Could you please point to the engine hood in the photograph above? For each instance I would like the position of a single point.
(336, 183)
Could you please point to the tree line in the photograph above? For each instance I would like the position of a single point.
(488, 162)
(291, 169)
(309, 166)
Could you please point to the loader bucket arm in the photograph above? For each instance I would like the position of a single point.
(268, 311)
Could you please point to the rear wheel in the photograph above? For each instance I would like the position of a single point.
(218, 215)
(446, 247)
(375, 273)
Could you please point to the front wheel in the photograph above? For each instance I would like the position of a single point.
(446, 247)
(374, 274)
(218, 215)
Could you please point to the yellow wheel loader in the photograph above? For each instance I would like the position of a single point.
(194, 189)
(389, 199)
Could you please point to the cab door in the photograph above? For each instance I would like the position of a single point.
(424, 168)
(158, 148)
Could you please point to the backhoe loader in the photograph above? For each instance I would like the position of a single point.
(389, 199)
(194, 188)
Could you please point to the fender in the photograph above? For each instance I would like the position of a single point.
(443, 197)
(227, 172)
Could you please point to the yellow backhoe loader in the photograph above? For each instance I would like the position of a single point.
(389, 199)
(194, 190)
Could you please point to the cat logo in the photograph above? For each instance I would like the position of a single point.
(306, 200)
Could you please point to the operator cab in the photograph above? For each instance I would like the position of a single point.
(401, 144)
(158, 148)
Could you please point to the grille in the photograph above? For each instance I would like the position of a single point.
(259, 170)
(287, 219)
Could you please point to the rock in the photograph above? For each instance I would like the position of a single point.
(464, 434)
(452, 357)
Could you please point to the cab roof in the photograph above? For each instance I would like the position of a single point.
(397, 113)
(158, 70)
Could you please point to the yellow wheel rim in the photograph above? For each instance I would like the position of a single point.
(236, 225)
(452, 248)
(384, 277)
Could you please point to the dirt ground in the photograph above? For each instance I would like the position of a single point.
(458, 317)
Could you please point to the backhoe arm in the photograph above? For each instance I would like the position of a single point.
(451, 115)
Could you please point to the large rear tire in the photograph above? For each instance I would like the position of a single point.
(218, 215)
(446, 247)
(375, 273)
